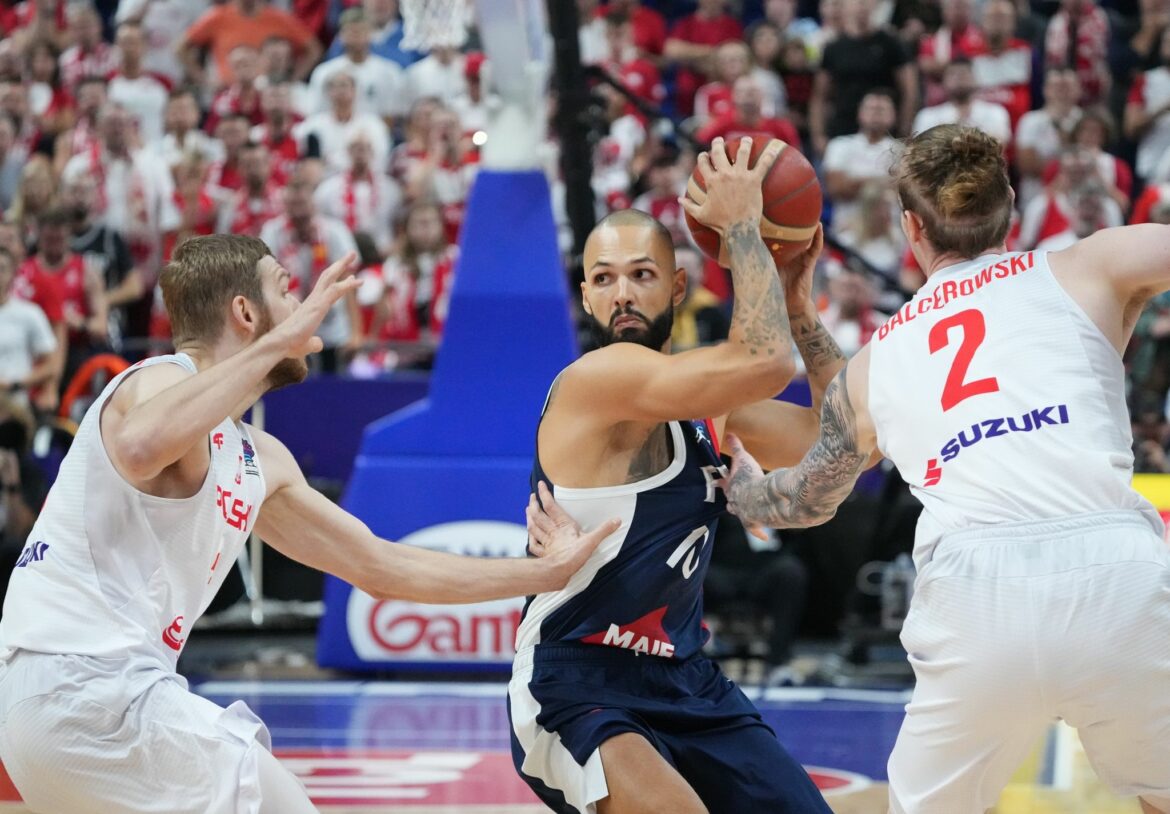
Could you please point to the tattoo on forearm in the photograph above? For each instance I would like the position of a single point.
(759, 319)
(820, 352)
(809, 493)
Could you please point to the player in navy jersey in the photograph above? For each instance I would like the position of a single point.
(614, 708)
(1043, 577)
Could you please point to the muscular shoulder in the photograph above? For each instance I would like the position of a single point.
(145, 384)
(280, 467)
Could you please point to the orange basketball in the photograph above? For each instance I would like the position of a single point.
(792, 204)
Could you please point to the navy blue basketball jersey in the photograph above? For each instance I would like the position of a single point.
(642, 589)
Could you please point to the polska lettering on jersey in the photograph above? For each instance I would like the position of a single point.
(950, 290)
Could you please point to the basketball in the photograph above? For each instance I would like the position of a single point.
(792, 204)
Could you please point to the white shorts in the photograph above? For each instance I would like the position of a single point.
(1014, 626)
(77, 736)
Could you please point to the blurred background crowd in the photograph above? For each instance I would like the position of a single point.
(127, 126)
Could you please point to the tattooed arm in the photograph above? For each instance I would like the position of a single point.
(809, 493)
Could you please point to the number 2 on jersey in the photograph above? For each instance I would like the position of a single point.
(974, 331)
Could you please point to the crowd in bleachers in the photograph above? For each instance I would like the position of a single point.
(127, 126)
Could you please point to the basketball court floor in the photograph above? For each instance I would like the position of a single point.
(398, 748)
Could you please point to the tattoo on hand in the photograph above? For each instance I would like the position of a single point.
(809, 493)
(760, 317)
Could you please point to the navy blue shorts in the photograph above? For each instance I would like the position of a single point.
(565, 700)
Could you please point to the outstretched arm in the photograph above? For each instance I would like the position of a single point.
(809, 493)
(304, 525)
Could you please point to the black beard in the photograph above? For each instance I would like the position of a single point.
(653, 335)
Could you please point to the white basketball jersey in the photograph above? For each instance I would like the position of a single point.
(111, 572)
(1000, 401)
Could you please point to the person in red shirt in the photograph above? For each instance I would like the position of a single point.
(242, 96)
(691, 43)
(649, 27)
(276, 132)
(225, 175)
(958, 36)
(624, 63)
(1003, 66)
(714, 99)
(258, 201)
(747, 119)
(80, 289)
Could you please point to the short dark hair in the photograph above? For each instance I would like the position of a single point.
(636, 217)
(56, 216)
(204, 275)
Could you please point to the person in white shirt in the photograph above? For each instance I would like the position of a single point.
(135, 190)
(1042, 134)
(183, 136)
(27, 343)
(999, 393)
(852, 161)
(438, 74)
(159, 492)
(962, 107)
(163, 24)
(333, 129)
(363, 197)
(381, 84)
(140, 92)
(1147, 113)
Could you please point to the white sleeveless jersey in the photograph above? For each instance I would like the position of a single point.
(111, 572)
(1000, 401)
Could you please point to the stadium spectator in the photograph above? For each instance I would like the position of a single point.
(135, 190)
(89, 55)
(333, 129)
(417, 278)
(1088, 215)
(1003, 66)
(258, 201)
(163, 23)
(590, 32)
(38, 291)
(1150, 437)
(849, 313)
(224, 27)
(766, 46)
(224, 175)
(443, 176)
(649, 27)
(12, 160)
(747, 118)
(957, 37)
(664, 184)
(82, 136)
(386, 40)
(195, 200)
(1094, 132)
(692, 42)
(439, 74)
(1147, 112)
(278, 66)
(963, 107)
(782, 16)
(625, 63)
(363, 197)
(1043, 134)
(798, 75)
(242, 95)
(1078, 37)
(81, 289)
(872, 230)
(276, 134)
(49, 103)
(852, 161)
(28, 358)
(14, 101)
(472, 107)
(714, 99)
(700, 318)
(102, 249)
(381, 83)
(861, 59)
(36, 195)
(143, 94)
(1050, 213)
(306, 243)
(181, 132)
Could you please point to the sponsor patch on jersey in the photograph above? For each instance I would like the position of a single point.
(33, 552)
(645, 635)
(1031, 421)
(250, 467)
